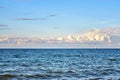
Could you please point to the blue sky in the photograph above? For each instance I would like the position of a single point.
(54, 18)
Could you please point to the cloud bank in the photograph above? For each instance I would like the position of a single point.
(107, 37)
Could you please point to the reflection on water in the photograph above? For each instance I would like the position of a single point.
(60, 64)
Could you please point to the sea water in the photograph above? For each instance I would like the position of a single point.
(59, 64)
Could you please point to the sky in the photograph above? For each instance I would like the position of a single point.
(60, 23)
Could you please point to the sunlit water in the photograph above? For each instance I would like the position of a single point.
(59, 64)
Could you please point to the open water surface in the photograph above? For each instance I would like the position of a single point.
(59, 64)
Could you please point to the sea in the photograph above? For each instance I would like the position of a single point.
(59, 64)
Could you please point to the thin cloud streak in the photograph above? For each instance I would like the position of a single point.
(52, 15)
(29, 19)
(3, 25)
(2, 7)
(23, 0)
(5, 28)
(23, 19)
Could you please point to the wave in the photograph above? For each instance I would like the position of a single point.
(7, 76)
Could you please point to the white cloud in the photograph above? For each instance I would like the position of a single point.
(96, 37)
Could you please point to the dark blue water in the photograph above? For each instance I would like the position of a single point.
(59, 64)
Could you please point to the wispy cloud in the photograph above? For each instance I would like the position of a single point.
(22, 19)
(44, 18)
(4, 28)
(2, 7)
(96, 37)
(23, 0)
(3, 25)
(52, 15)
(56, 27)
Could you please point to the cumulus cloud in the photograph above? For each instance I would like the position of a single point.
(96, 37)
(105, 36)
